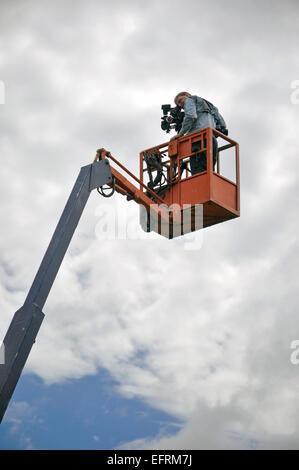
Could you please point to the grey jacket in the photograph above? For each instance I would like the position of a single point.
(197, 115)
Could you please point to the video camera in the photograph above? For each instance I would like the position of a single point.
(172, 118)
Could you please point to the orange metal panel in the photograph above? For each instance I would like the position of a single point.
(172, 148)
(184, 148)
(224, 192)
(196, 189)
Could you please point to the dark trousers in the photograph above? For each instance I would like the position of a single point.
(198, 162)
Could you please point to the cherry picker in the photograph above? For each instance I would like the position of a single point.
(168, 196)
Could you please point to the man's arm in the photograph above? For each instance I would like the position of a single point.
(189, 118)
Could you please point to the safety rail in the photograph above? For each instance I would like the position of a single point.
(175, 158)
(103, 153)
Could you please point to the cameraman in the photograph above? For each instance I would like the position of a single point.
(198, 115)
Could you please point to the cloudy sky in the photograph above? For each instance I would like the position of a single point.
(145, 343)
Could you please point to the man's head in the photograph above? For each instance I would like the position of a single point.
(181, 98)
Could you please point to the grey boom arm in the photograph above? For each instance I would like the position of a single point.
(26, 322)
